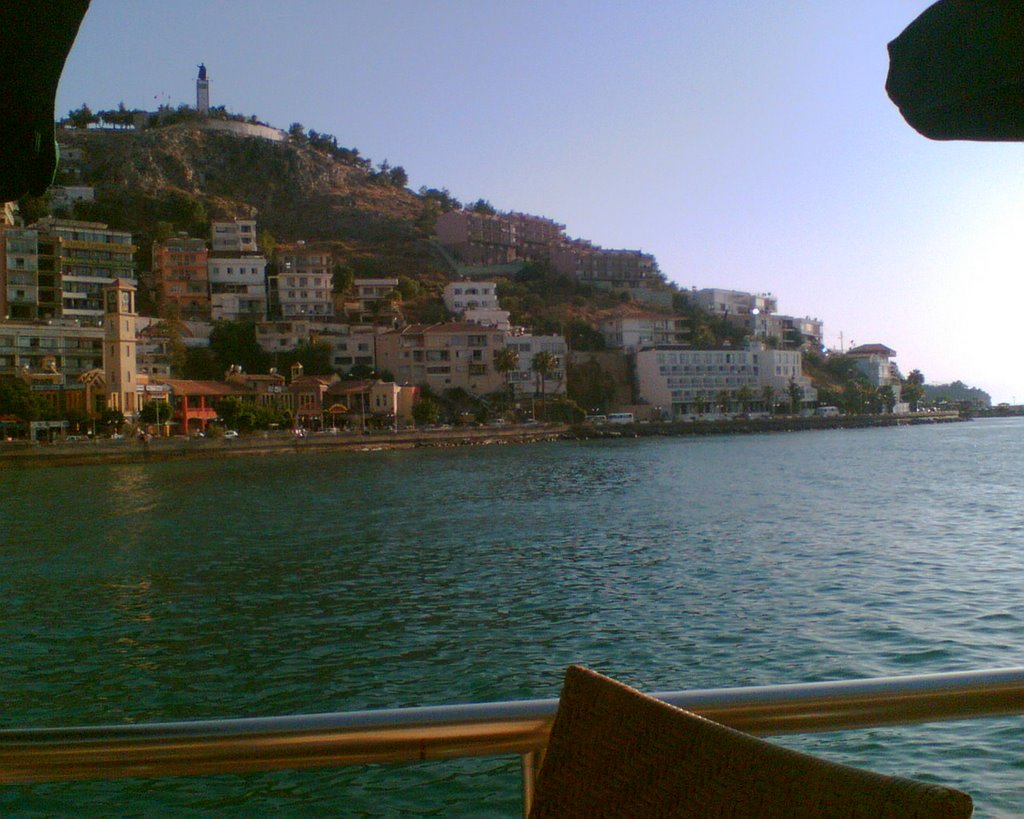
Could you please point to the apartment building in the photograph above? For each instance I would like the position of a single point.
(617, 269)
(523, 380)
(238, 287)
(181, 275)
(72, 348)
(57, 268)
(499, 238)
(349, 346)
(803, 332)
(234, 236)
(158, 343)
(875, 362)
(302, 286)
(476, 302)
(682, 382)
(443, 356)
(29, 275)
(371, 302)
(631, 330)
(466, 295)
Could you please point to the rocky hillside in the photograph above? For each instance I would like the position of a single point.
(186, 176)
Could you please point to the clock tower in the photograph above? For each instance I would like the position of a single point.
(119, 354)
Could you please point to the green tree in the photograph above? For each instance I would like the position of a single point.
(913, 389)
(482, 206)
(267, 243)
(506, 360)
(408, 289)
(887, 398)
(543, 364)
(768, 396)
(315, 358)
(796, 394)
(425, 411)
(201, 364)
(583, 337)
(590, 386)
(565, 410)
(16, 398)
(744, 395)
(81, 117)
(342, 278)
(156, 412)
(234, 342)
(723, 398)
(398, 177)
(112, 419)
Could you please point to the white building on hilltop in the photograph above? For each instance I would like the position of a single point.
(477, 303)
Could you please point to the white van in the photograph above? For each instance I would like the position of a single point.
(827, 412)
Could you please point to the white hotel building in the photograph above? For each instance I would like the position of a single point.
(683, 381)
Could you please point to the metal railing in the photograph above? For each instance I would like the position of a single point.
(490, 729)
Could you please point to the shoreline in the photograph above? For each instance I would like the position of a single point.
(28, 455)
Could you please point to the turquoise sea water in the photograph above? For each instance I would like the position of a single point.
(362, 580)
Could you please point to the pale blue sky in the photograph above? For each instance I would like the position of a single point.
(748, 145)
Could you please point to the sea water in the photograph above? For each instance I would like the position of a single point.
(301, 584)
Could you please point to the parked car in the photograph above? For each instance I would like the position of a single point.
(231, 433)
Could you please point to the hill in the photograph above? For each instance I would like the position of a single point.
(183, 176)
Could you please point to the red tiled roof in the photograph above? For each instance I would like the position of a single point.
(186, 387)
(349, 387)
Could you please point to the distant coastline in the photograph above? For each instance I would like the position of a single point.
(21, 454)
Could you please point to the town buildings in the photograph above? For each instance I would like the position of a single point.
(476, 302)
(72, 348)
(875, 362)
(681, 382)
(302, 285)
(349, 346)
(57, 268)
(502, 238)
(756, 313)
(234, 237)
(524, 380)
(238, 288)
(443, 356)
(181, 276)
(631, 329)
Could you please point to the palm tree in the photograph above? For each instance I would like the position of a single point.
(505, 361)
(722, 399)
(744, 395)
(543, 364)
(796, 393)
(768, 395)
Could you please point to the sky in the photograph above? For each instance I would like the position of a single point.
(747, 144)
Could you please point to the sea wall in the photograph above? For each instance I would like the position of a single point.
(746, 426)
(14, 454)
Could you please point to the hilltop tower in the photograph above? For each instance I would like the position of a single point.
(202, 91)
(119, 359)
